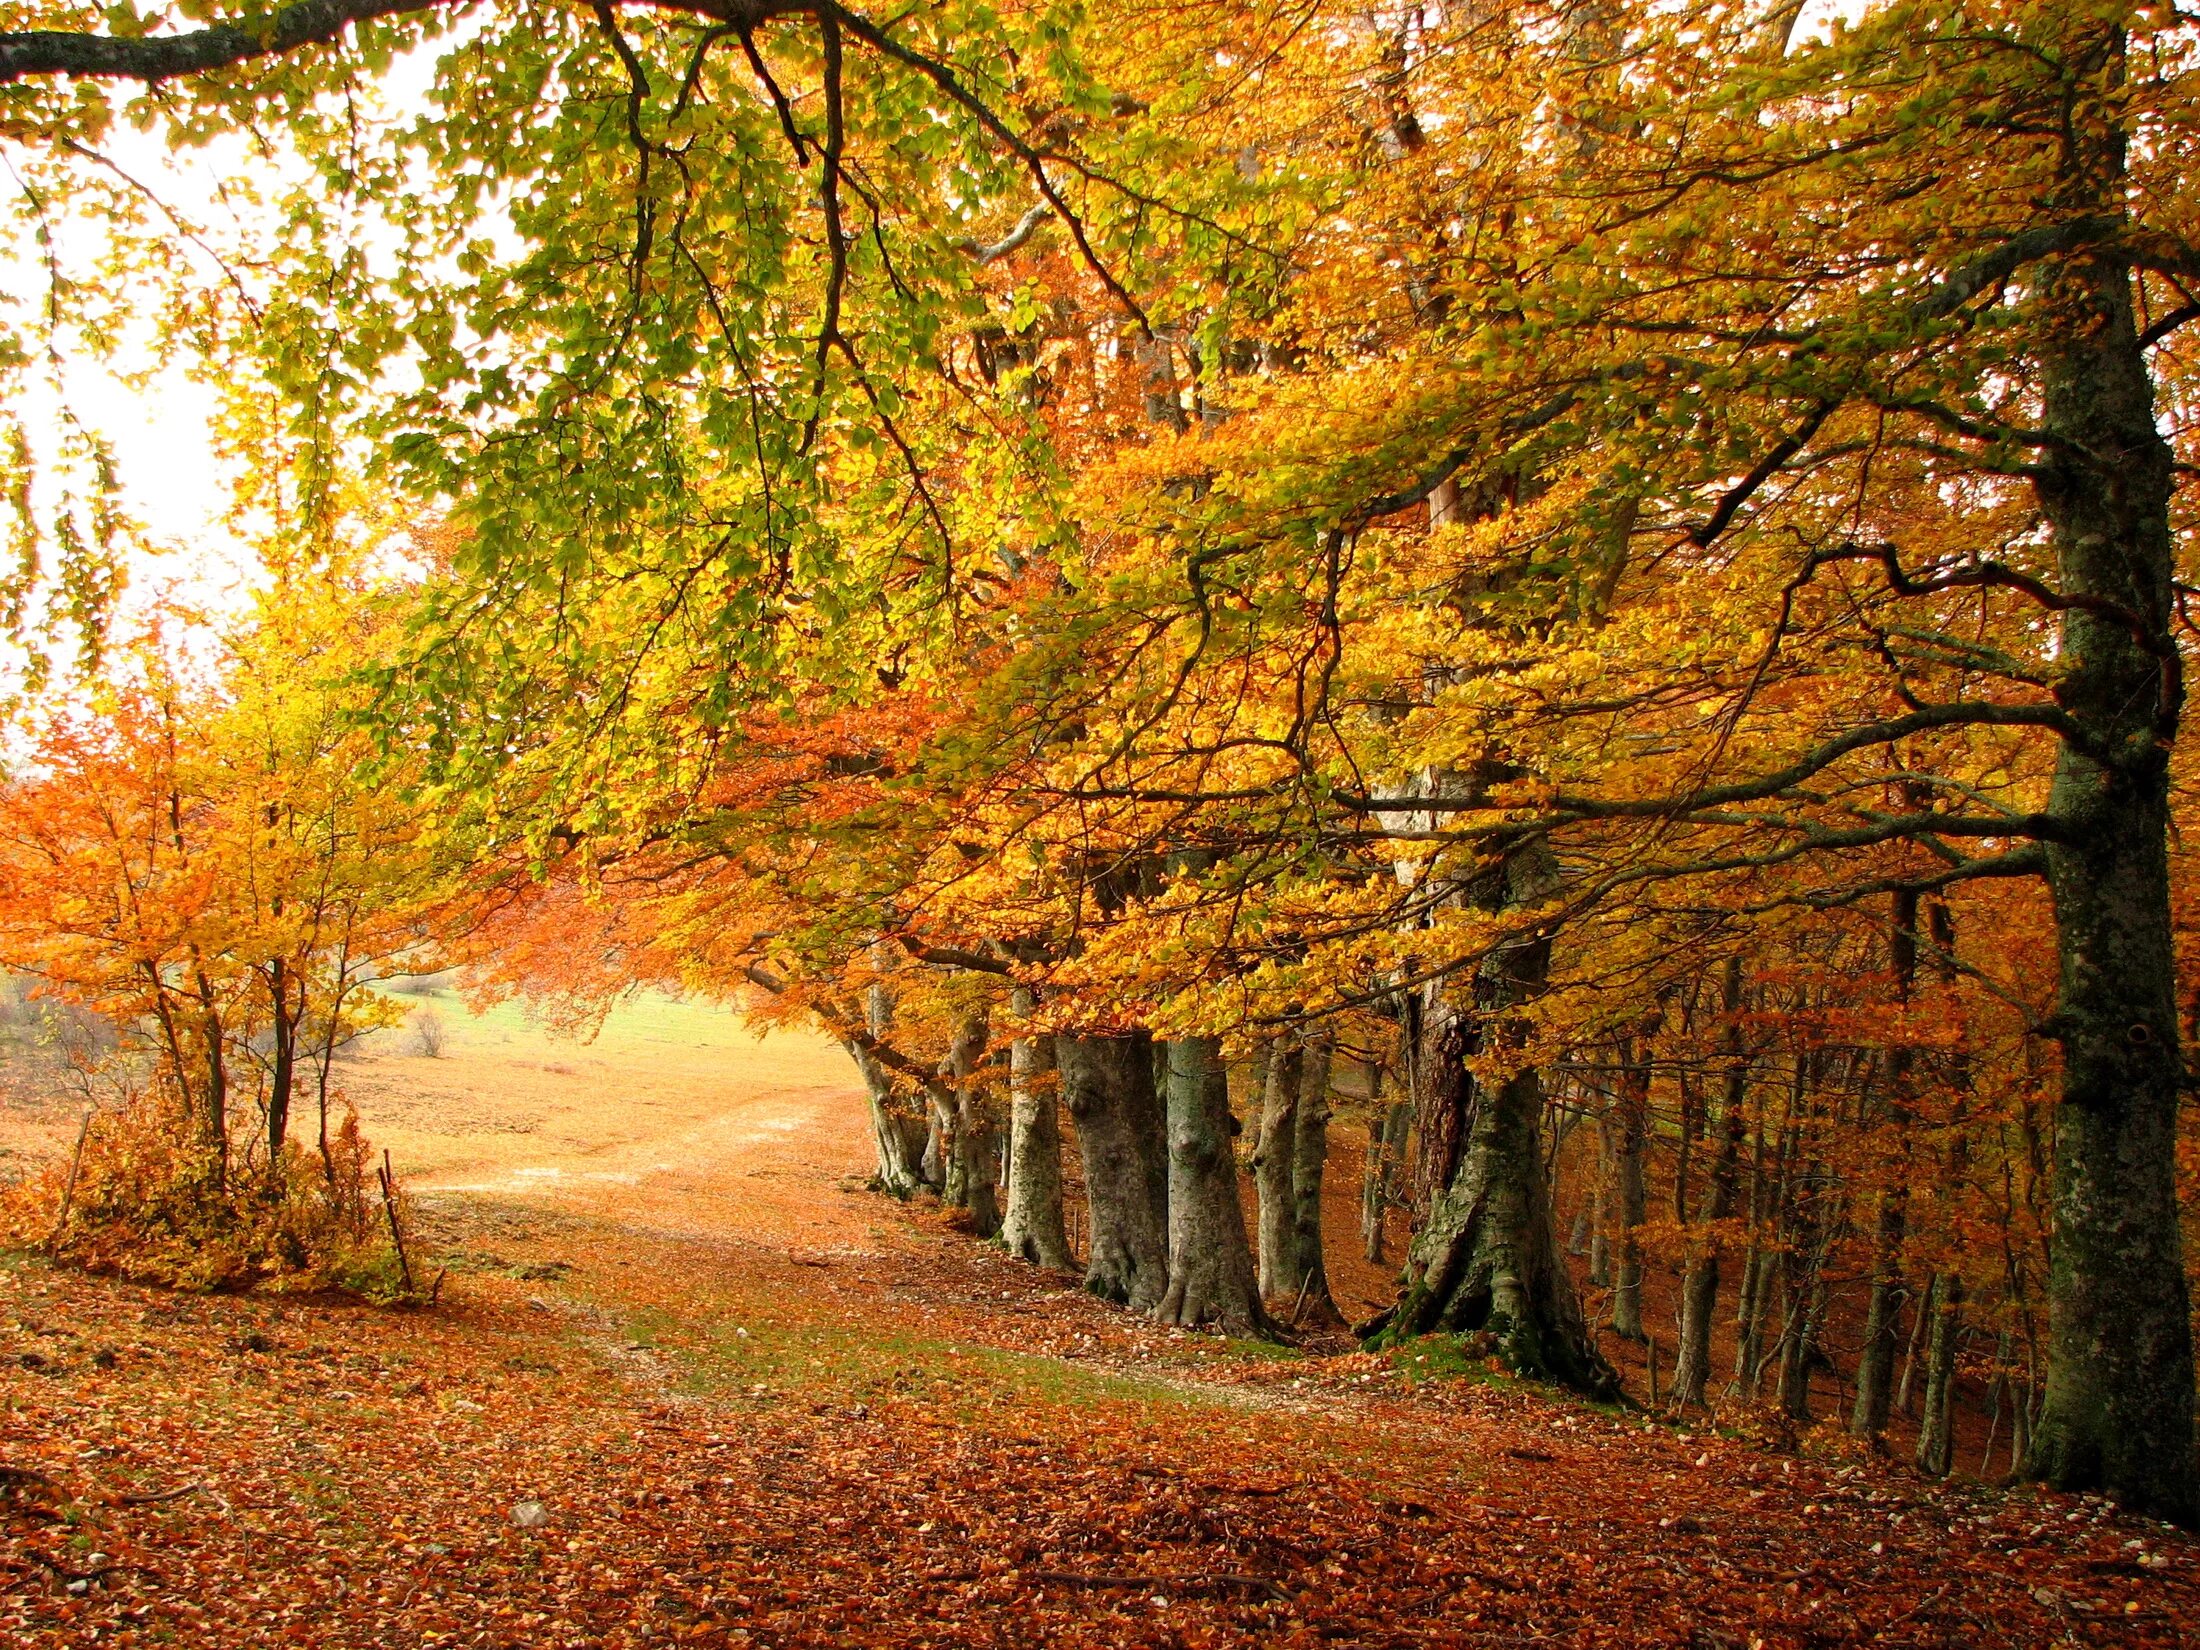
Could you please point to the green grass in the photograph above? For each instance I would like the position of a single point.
(851, 1364)
(636, 1028)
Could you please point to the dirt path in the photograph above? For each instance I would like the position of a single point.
(690, 1384)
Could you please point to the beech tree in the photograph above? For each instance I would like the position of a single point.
(1457, 520)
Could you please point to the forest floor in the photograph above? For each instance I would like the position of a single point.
(688, 1383)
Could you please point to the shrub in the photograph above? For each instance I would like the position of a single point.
(145, 1197)
(428, 1032)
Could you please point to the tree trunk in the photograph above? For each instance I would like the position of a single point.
(1633, 1146)
(1031, 1227)
(283, 1070)
(1700, 1285)
(1309, 1269)
(900, 1136)
(1936, 1430)
(1600, 1217)
(2118, 1412)
(217, 1082)
(1487, 1258)
(1882, 1326)
(1211, 1274)
(1272, 1155)
(974, 1144)
(1108, 1090)
(1386, 1150)
(1875, 1360)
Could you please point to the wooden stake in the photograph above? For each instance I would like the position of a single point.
(389, 1208)
(68, 1192)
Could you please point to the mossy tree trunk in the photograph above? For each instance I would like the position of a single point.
(2118, 1410)
(1487, 1258)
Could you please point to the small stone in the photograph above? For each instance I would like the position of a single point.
(530, 1515)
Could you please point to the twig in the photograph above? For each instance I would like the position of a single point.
(1926, 1603)
(153, 1498)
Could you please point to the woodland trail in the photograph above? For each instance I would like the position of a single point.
(761, 1406)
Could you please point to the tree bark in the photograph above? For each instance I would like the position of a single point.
(1700, 1284)
(1875, 1361)
(1309, 1269)
(1108, 1090)
(1272, 1160)
(1031, 1227)
(1386, 1150)
(283, 1070)
(1488, 1258)
(2118, 1411)
(973, 1146)
(1633, 1146)
(1936, 1429)
(1211, 1274)
(901, 1138)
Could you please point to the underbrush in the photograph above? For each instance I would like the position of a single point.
(145, 1196)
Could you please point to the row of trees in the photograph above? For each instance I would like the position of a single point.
(1606, 561)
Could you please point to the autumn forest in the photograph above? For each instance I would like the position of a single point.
(1107, 822)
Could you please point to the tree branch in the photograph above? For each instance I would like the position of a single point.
(39, 52)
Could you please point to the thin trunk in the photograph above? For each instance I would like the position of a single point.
(1936, 1429)
(1749, 1309)
(1309, 1161)
(1386, 1154)
(1600, 1216)
(1882, 1314)
(282, 1073)
(1108, 1090)
(1633, 1148)
(1272, 1149)
(217, 1082)
(1918, 1319)
(1700, 1284)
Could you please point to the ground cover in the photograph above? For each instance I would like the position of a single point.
(687, 1382)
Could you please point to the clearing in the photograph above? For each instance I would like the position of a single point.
(689, 1382)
